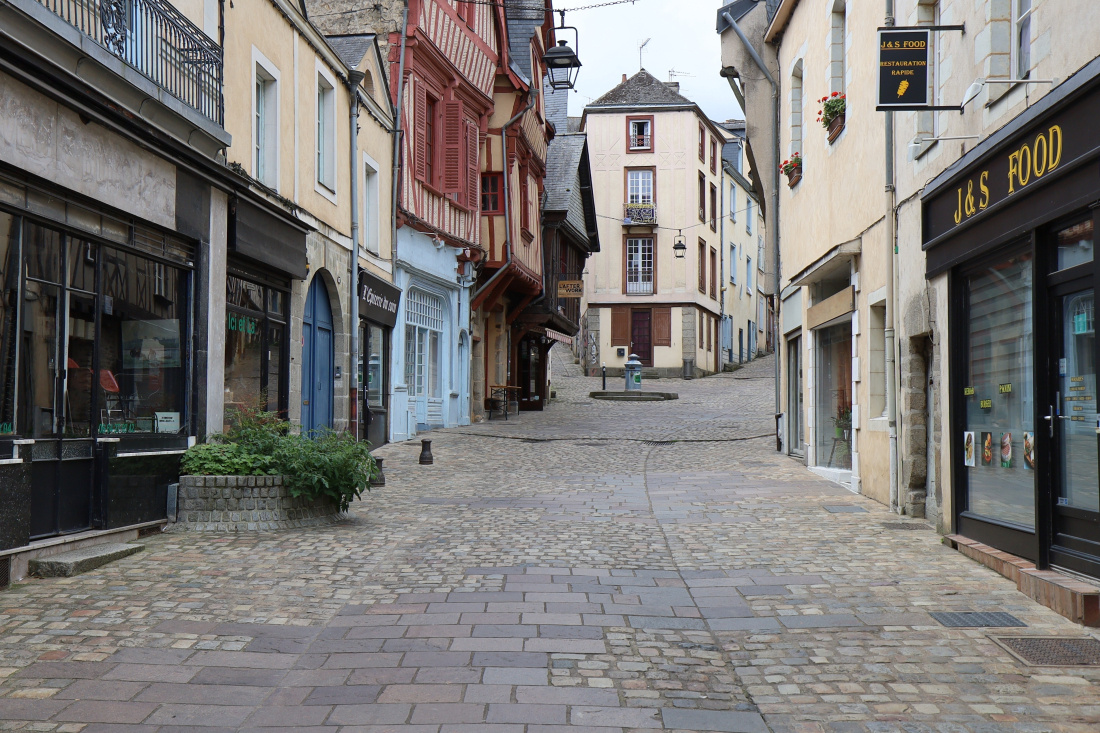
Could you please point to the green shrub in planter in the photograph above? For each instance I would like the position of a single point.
(331, 466)
(224, 459)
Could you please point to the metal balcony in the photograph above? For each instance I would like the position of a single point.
(643, 214)
(157, 40)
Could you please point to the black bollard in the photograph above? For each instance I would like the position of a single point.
(379, 478)
(426, 458)
(604, 377)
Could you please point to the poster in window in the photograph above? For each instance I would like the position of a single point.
(1029, 450)
(969, 449)
(150, 344)
(1006, 450)
(987, 449)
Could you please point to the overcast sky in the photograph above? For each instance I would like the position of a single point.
(683, 39)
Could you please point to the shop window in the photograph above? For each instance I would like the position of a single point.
(1075, 245)
(373, 346)
(833, 397)
(256, 358)
(999, 405)
(9, 331)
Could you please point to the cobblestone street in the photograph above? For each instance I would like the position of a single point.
(599, 567)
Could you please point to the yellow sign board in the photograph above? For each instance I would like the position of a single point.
(570, 288)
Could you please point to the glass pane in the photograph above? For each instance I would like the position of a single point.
(79, 380)
(38, 377)
(433, 367)
(243, 362)
(141, 358)
(999, 401)
(834, 395)
(1075, 245)
(410, 360)
(243, 294)
(276, 365)
(276, 302)
(1077, 390)
(81, 267)
(42, 252)
(374, 352)
(9, 331)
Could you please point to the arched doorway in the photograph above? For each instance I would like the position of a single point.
(317, 359)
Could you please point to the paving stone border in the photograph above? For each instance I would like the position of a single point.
(247, 504)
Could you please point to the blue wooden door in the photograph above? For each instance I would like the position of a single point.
(317, 359)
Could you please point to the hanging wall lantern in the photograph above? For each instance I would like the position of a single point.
(679, 245)
(561, 61)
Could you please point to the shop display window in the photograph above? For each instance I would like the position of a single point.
(834, 396)
(998, 394)
(255, 346)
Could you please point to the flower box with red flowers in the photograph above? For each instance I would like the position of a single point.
(792, 169)
(831, 115)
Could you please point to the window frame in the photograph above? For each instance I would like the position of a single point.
(652, 170)
(713, 155)
(1020, 23)
(265, 120)
(702, 143)
(748, 273)
(326, 134)
(431, 134)
(498, 177)
(714, 273)
(267, 317)
(702, 266)
(372, 205)
(630, 120)
(713, 207)
(733, 262)
(641, 270)
(702, 196)
(748, 215)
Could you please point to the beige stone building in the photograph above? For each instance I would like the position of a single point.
(653, 289)
(964, 233)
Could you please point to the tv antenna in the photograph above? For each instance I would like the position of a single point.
(673, 73)
(644, 44)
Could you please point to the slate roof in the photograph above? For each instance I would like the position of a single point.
(569, 187)
(562, 158)
(525, 18)
(351, 49)
(641, 89)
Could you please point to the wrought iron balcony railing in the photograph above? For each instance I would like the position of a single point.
(639, 142)
(639, 280)
(643, 214)
(159, 41)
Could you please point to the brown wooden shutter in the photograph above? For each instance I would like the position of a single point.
(454, 144)
(662, 326)
(473, 166)
(620, 326)
(420, 134)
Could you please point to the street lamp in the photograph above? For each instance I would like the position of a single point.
(561, 61)
(679, 245)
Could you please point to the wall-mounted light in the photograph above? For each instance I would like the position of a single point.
(918, 142)
(976, 88)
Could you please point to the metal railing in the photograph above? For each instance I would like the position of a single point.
(156, 39)
(641, 213)
(639, 142)
(639, 281)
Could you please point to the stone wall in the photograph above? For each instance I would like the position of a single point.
(246, 504)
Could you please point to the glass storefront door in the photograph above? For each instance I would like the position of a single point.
(833, 398)
(795, 436)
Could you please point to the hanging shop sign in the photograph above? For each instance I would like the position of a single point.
(378, 299)
(570, 288)
(903, 61)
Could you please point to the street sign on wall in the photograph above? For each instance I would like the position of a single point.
(903, 62)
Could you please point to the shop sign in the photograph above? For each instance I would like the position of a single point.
(903, 68)
(241, 324)
(378, 299)
(1020, 164)
(570, 288)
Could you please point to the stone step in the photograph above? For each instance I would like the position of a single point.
(75, 562)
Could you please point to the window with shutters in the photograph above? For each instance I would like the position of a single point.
(662, 326)
(639, 134)
(702, 196)
(709, 331)
(473, 164)
(452, 173)
(713, 273)
(429, 151)
(620, 326)
(713, 208)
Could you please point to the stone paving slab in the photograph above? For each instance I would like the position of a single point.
(586, 581)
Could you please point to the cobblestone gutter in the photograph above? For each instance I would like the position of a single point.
(247, 504)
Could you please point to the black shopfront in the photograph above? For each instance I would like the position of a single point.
(378, 303)
(95, 365)
(1013, 227)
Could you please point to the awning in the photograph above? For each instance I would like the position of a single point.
(836, 260)
(560, 337)
(267, 239)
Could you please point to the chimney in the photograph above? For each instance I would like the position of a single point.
(624, 78)
(673, 85)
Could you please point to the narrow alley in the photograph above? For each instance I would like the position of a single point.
(599, 567)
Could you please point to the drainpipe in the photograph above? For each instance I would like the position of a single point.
(775, 197)
(507, 203)
(722, 279)
(891, 256)
(396, 175)
(355, 77)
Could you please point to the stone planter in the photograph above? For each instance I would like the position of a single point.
(247, 504)
(836, 126)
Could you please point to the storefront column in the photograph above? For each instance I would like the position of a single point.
(210, 293)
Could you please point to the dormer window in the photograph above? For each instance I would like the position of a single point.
(639, 134)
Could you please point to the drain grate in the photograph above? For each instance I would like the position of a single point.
(905, 525)
(5, 572)
(971, 619)
(1045, 651)
(658, 443)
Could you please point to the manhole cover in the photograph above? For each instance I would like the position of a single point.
(976, 619)
(905, 525)
(1039, 651)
